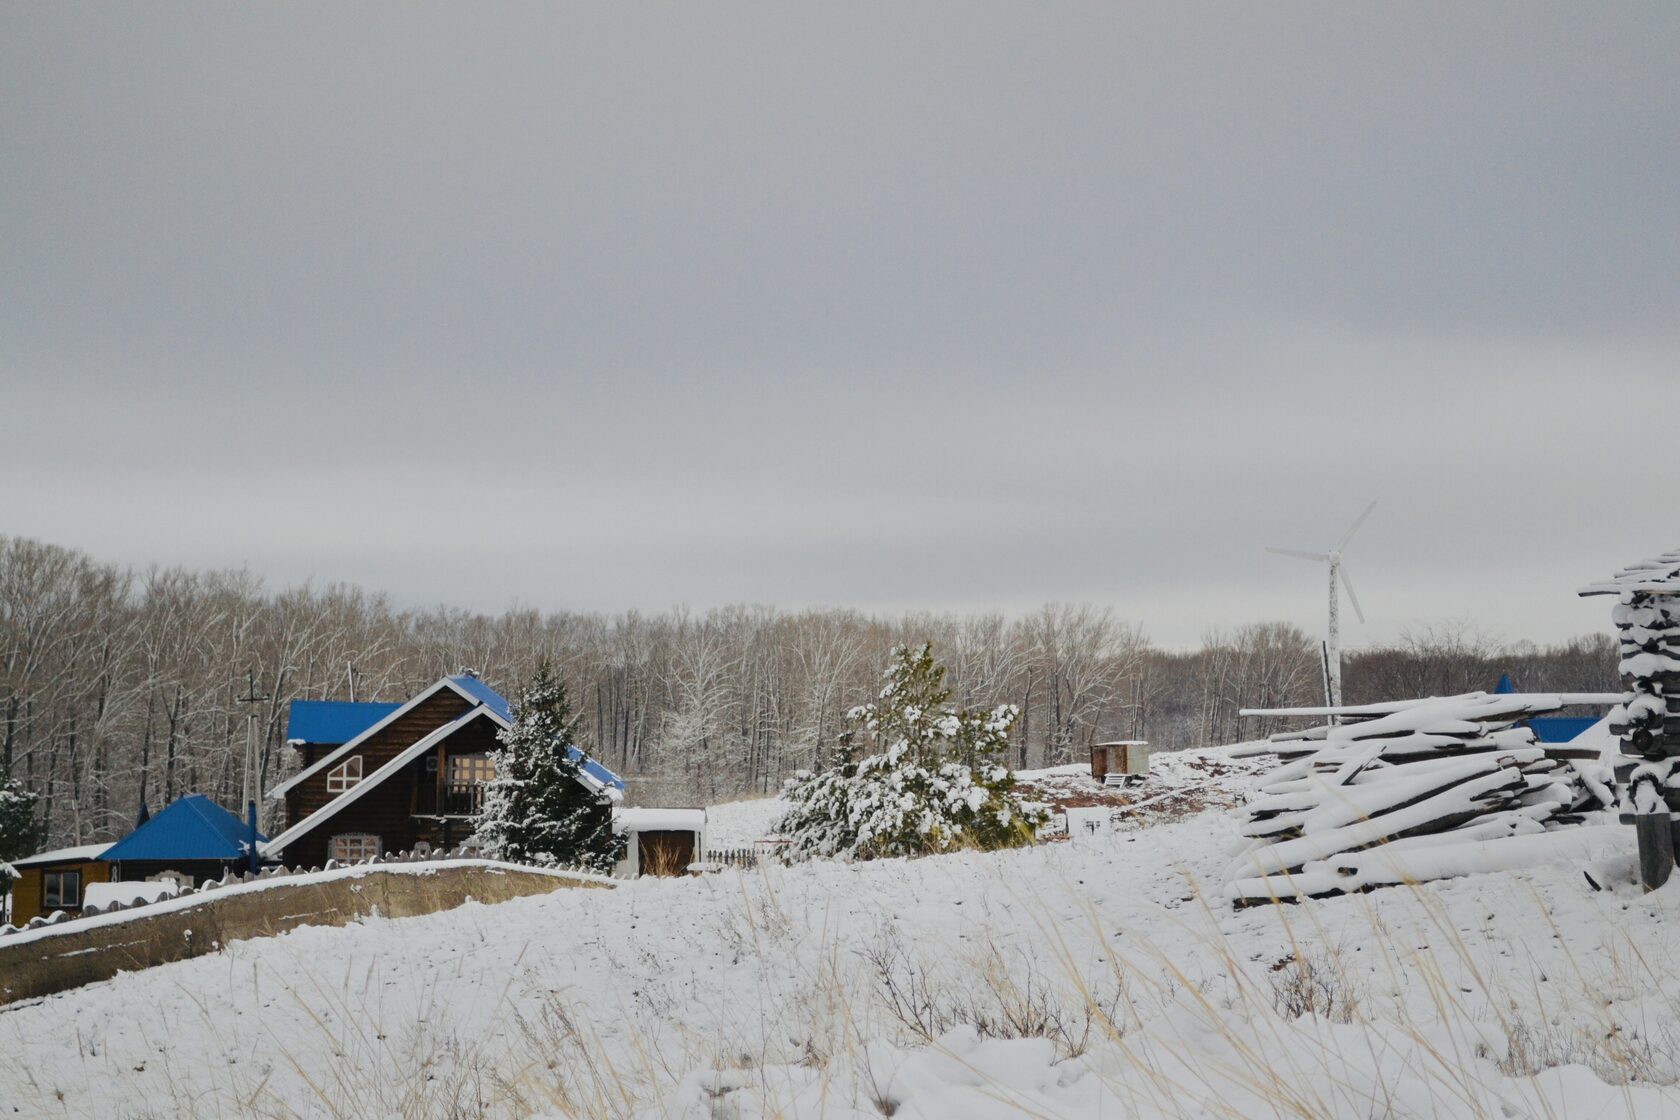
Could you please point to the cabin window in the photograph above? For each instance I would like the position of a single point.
(345, 775)
(470, 769)
(354, 847)
(468, 773)
(61, 890)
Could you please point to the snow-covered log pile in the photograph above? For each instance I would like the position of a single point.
(1396, 792)
(1647, 720)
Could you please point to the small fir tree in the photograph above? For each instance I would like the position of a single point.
(929, 782)
(537, 809)
(21, 833)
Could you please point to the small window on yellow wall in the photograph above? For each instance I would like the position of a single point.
(353, 847)
(344, 775)
(61, 889)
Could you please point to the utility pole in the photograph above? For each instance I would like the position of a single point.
(250, 790)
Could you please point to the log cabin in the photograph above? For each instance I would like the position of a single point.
(383, 778)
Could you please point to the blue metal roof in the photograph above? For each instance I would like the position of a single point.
(595, 769)
(193, 827)
(484, 694)
(332, 721)
(1560, 729)
(497, 703)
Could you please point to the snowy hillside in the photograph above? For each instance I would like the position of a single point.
(1090, 979)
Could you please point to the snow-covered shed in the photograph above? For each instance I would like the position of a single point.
(56, 880)
(660, 841)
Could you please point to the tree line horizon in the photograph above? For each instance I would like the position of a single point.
(119, 685)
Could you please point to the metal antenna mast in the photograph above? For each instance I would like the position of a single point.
(250, 791)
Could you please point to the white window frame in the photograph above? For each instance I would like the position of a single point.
(347, 775)
(58, 879)
(353, 847)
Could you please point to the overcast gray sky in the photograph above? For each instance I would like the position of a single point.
(931, 305)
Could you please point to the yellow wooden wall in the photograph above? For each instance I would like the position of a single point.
(26, 891)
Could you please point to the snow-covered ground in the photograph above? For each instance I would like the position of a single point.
(741, 824)
(1179, 783)
(1091, 979)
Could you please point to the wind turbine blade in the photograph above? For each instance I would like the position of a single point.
(1352, 598)
(1320, 556)
(1348, 536)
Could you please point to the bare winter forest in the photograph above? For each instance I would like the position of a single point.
(118, 686)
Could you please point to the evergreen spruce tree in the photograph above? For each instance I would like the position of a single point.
(537, 809)
(21, 833)
(915, 776)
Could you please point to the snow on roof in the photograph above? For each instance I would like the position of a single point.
(332, 721)
(190, 828)
(82, 852)
(648, 819)
(331, 758)
(483, 693)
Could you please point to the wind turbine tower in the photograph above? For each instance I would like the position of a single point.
(1333, 642)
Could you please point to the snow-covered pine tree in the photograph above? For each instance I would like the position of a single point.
(21, 833)
(537, 809)
(932, 782)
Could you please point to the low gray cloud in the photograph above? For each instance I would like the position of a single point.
(967, 306)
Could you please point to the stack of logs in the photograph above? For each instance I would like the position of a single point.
(1405, 776)
(1647, 720)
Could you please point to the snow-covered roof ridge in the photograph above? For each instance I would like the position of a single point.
(1659, 575)
(470, 689)
(59, 855)
(653, 819)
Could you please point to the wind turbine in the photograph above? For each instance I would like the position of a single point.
(1333, 646)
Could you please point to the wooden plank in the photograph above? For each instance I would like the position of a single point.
(1656, 848)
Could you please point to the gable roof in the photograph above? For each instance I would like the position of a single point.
(484, 694)
(379, 776)
(190, 828)
(597, 777)
(332, 721)
(470, 689)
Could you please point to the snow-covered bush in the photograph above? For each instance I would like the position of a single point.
(931, 782)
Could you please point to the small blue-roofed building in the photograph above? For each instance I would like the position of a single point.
(1550, 729)
(193, 839)
(381, 778)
